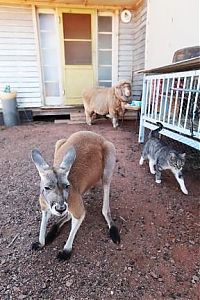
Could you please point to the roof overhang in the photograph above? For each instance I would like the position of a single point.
(118, 4)
(185, 65)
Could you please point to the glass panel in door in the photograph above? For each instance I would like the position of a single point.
(77, 34)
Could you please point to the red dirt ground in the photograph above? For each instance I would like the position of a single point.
(158, 257)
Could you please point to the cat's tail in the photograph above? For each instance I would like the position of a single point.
(154, 132)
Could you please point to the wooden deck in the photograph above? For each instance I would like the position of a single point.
(70, 114)
(61, 114)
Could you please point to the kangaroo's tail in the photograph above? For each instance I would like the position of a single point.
(154, 132)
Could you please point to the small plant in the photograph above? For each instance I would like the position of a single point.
(7, 89)
(7, 94)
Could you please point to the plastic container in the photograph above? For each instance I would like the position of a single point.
(9, 107)
(136, 103)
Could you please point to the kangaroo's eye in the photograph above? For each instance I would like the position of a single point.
(48, 188)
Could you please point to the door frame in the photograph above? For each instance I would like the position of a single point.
(50, 101)
(57, 12)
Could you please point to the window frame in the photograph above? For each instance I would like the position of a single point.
(50, 100)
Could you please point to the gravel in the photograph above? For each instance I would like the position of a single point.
(158, 257)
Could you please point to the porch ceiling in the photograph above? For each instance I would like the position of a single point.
(128, 4)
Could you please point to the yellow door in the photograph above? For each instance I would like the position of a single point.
(78, 28)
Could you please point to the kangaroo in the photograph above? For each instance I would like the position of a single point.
(79, 163)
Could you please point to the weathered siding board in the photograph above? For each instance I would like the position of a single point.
(125, 53)
(18, 56)
(140, 16)
(8, 39)
(131, 55)
(11, 46)
(10, 80)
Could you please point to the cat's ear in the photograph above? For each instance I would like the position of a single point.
(172, 155)
(183, 155)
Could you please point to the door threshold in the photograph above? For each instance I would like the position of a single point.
(61, 106)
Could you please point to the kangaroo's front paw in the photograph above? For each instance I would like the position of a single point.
(36, 246)
(64, 255)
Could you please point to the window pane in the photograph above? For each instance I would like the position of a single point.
(105, 57)
(105, 41)
(105, 24)
(105, 73)
(49, 57)
(50, 73)
(78, 53)
(52, 89)
(47, 22)
(47, 39)
(77, 26)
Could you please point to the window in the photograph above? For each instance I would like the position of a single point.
(105, 51)
(77, 39)
(49, 54)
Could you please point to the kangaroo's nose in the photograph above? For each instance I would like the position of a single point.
(60, 208)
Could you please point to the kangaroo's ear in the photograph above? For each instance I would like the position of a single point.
(118, 92)
(68, 159)
(38, 160)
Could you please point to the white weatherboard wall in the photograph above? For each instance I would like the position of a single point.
(171, 25)
(125, 52)
(18, 56)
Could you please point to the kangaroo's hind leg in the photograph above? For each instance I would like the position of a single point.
(110, 158)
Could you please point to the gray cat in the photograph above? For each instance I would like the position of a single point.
(162, 157)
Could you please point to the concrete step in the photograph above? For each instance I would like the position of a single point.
(77, 116)
(65, 121)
